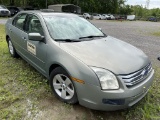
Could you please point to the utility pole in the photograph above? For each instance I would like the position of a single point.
(77, 2)
(46, 4)
(11, 2)
(147, 4)
(23, 3)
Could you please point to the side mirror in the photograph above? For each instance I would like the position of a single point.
(35, 36)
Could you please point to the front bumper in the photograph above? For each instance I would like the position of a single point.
(94, 98)
(5, 14)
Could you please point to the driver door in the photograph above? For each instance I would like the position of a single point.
(36, 50)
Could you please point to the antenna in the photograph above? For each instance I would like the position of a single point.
(147, 4)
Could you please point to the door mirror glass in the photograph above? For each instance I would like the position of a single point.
(35, 36)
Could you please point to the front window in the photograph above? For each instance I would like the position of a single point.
(68, 27)
(33, 25)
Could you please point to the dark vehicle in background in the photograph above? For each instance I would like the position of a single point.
(29, 8)
(152, 18)
(14, 10)
(120, 17)
(4, 12)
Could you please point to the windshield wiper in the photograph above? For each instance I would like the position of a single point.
(68, 40)
(92, 36)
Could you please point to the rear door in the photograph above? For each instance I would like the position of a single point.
(17, 32)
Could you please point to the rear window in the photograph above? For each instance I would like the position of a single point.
(19, 21)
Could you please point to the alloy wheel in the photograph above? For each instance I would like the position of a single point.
(63, 86)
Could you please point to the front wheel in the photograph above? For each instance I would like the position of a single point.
(62, 86)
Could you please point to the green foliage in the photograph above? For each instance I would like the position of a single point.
(156, 33)
(125, 10)
(137, 10)
(91, 6)
(94, 6)
(144, 13)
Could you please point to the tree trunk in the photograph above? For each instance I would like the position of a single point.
(11, 2)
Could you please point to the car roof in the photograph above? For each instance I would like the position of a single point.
(49, 13)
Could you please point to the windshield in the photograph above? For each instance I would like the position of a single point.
(70, 27)
(2, 7)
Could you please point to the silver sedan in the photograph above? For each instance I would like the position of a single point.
(81, 63)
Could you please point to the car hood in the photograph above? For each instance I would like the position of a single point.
(108, 53)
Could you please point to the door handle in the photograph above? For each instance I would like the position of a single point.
(24, 38)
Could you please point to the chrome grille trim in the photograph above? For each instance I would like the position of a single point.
(136, 77)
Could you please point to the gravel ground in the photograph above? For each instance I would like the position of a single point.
(3, 21)
(137, 33)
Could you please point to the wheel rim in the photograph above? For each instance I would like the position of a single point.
(63, 86)
(10, 47)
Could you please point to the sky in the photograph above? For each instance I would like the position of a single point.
(153, 3)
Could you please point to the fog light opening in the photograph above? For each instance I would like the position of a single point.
(114, 101)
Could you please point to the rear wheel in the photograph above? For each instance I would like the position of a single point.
(11, 48)
(62, 86)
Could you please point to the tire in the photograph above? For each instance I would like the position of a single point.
(11, 48)
(62, 86)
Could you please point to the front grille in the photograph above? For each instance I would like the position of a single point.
(4, 12)
(135, 78)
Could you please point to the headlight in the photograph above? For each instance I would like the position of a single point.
(107, 79)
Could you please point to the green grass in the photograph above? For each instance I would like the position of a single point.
(149, 107)
(2, 33)
(19, 82)
(156, 33)
(4, 17)
(24, 94)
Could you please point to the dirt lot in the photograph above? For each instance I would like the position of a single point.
(24, 93)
